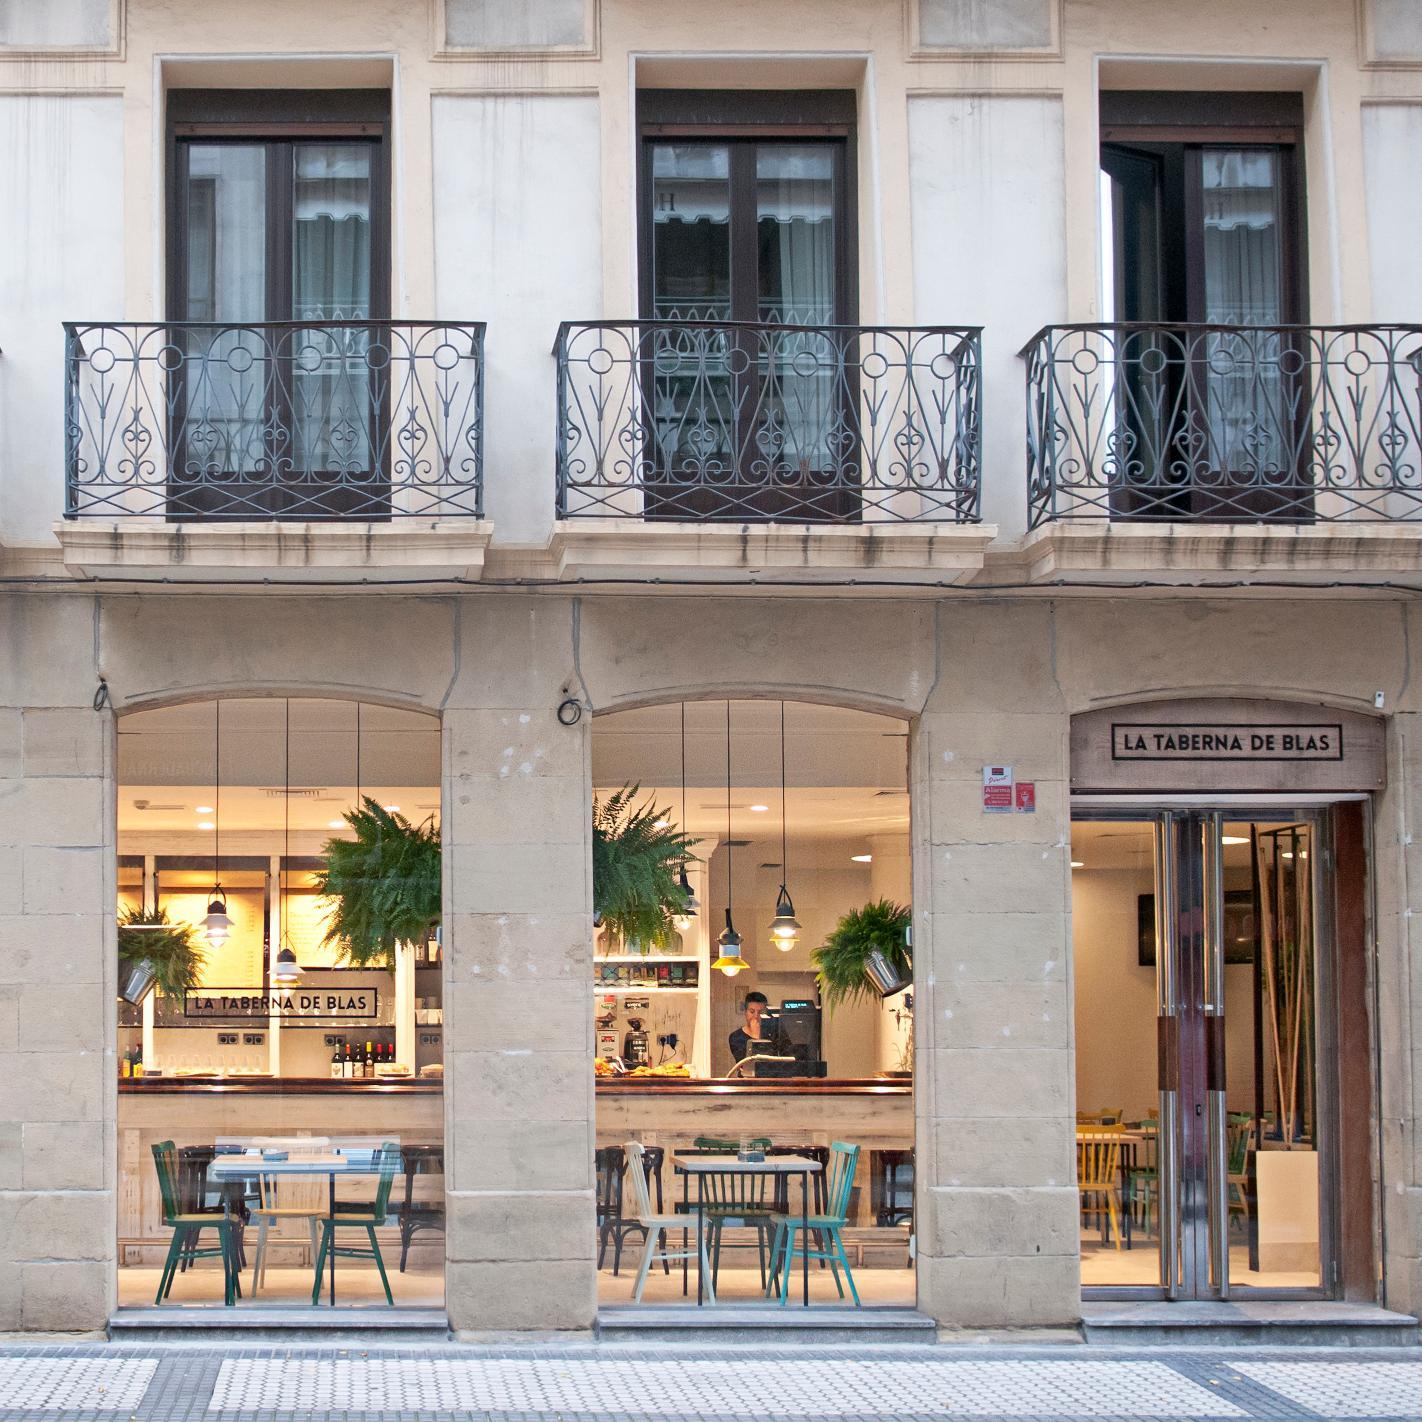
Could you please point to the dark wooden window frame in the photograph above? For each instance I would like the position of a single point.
(746, 117)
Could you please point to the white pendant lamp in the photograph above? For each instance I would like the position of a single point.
(730, 961)
(784, 927)
(217, 926)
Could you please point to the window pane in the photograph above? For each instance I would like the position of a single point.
(227, 232)
(331, 232)
(691, 232)
(795, 232)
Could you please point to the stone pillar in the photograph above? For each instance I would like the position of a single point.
(521, 1247)
(57, 972)
(997, 1203)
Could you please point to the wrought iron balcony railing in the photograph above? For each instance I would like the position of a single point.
(299, 420)
(750, 422)
(1243, 424)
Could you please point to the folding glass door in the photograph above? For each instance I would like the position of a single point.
(1202, 1152)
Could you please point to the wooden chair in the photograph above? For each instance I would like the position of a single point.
(658, 1227)
(1098, 1174)
(370, 1218)
(284, 1198)
(1144, 1176)
(827, 1229)
(741, 1202)
(1107, 1116)
(1239, 1138)
(187, 1228)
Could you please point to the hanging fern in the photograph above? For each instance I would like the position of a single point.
(168, 949)
(840, 962)
(635, 869)
(385, 884)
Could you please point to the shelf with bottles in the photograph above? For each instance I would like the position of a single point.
(604, 991)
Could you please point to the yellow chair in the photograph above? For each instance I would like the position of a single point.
(1098, 1173)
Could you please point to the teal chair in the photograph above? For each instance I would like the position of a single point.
(828, 1228)
(370, 1219)
(187, 1230)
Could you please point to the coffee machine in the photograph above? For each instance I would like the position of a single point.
(636, 1045)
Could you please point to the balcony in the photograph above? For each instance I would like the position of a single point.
(745, 450)
(1216, 449)
(205, 443)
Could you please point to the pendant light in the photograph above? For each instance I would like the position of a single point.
(286, 971)
(730, 962)
(784, 927)
(689, 905)
(217, 925)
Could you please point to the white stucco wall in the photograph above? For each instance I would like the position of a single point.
(988, 215)
(1392, 139)
(516, 217)
(61, 257)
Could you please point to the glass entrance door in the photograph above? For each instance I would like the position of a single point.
(1201, 1148)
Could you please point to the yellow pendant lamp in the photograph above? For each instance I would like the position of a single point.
(730, 962)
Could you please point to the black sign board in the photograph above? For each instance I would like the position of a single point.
(346, 1004)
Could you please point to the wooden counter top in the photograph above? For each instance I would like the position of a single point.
(773, 1086)
(274, 1086)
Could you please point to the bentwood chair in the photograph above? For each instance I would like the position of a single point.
(368, 1218)
(1239, 1136)
(284, 1198)
(659, 1227)
(187, 1227)
(1098, 1175)
(826, 1229)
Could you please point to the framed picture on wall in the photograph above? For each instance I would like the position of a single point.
(1240, 927)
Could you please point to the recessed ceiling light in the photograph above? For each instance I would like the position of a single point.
(335, 824)
(391, 809)
(206, 825)
(1234, 839)
(759, 809)
(1078, 864)
(660, 824)
(202, 809)
(862, 858)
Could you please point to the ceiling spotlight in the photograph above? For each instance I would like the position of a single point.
(758, 809)
(662, 823)
(391, 809)
(206, 825)
(335, 824)
(1234, 839)
(202, 809)
(1078, 864)
(862, 858)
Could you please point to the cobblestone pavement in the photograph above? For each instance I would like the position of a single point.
(158, 1382)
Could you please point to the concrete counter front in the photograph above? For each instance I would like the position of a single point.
(195, 1112)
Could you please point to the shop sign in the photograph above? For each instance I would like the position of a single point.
(997, 789)
(361, 1004)
(1226, 746)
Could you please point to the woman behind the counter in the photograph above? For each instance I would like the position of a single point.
(747, 1038)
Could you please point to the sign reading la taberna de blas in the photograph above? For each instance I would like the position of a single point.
(347, 1004)
(1144, 740)
(1200, 745)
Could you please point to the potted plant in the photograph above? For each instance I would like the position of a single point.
(638, 856)
(385, 884)
(154, 951)
(866, 954)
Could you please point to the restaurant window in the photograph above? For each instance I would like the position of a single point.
(1202, 226)
(747, 216)
(280, 1040)
(733, 1077)
(278, 250)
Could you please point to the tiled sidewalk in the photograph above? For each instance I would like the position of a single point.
(665, 1383)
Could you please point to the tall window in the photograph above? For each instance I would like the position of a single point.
(277, 214)
(747, 217)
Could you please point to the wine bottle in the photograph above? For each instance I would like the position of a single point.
(336, 1061)
(368, 1063)
(347, 1064)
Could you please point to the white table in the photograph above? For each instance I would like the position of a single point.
(328, 1163)
(703, 1165)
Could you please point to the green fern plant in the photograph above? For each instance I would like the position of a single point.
(636, 866)
(149, 938)
(385, 884)
(840, 963)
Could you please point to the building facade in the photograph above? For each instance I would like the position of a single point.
(1035, 375)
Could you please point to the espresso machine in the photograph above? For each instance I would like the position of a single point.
(636, 1045)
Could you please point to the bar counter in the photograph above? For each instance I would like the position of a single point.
(877, 1113)
(272, 1085)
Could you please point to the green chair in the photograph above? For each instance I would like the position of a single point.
(1239, 1139)
(187, 1230)
(741, 1201)
(387, 1162)
(827, 1228)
